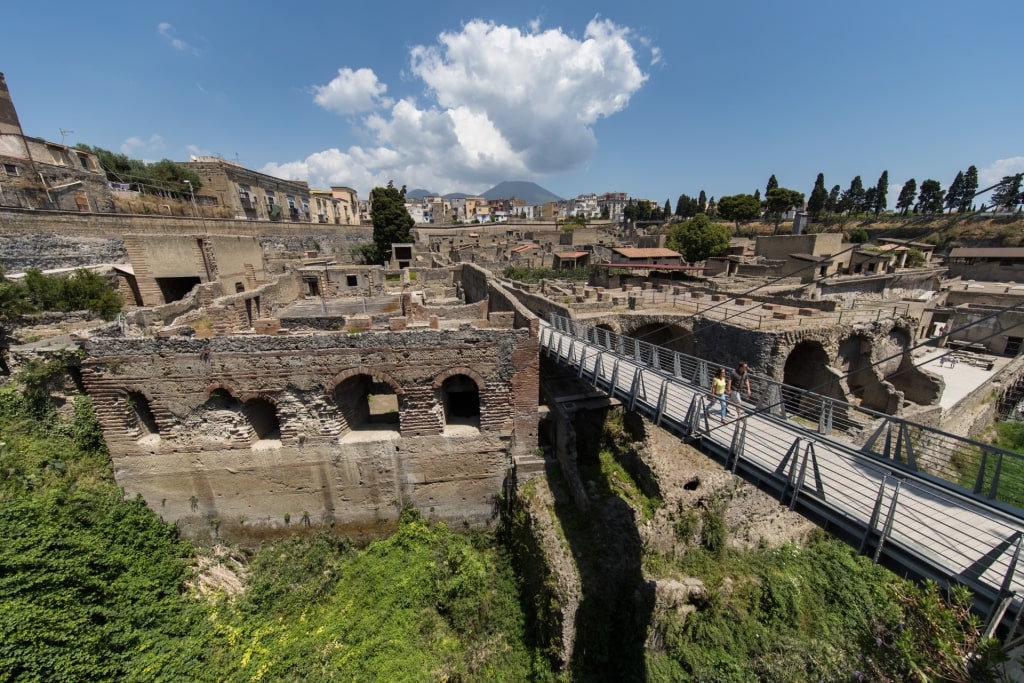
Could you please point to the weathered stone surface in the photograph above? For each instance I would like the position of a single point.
(230, 434)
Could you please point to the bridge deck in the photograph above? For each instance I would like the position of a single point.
(911, 520)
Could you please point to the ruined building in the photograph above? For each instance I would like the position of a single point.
(340, 414)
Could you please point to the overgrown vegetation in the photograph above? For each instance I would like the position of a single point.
(159, 176)
(788, 613)
(93, 586)
(525, 274)
(82, 290)
(819, 612)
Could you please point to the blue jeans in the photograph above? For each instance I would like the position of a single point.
(723, 404)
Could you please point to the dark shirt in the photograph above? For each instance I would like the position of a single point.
(737, 380)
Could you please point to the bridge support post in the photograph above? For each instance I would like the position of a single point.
(875, 512)
(615, 379)
(662, 397)
(739, 441)
(825, 418)
(583, 363)
(1007, 595)
(677, 370)
(635, 388)
(598, 368)
(700, 374)
(887, 529)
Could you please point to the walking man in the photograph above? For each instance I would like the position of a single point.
(738, 381)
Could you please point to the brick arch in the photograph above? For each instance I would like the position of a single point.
(251, 395)
(451, 372)
(210, 388)
(376, 375)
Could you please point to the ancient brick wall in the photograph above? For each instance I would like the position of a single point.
(247, 435)
(59, 239)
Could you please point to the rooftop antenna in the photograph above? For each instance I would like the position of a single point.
(64, 132)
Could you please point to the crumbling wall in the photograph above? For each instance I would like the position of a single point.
(205, 460)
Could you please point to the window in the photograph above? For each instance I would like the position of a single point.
(57, 154)
(84, 160)
(11, 169)
(351, 280)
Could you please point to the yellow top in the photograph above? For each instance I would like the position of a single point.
(717, 385)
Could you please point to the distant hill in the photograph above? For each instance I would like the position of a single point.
(533, 193)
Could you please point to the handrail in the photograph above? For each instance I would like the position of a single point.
(986, 470)
(927, 526)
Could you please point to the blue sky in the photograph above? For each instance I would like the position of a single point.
(650, 98)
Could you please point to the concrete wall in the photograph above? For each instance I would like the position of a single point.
(994, 332)
(201, 463)
(781, 246)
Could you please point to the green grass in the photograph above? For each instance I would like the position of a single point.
(93, 587)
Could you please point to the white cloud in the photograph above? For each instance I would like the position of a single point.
(997, 170)
(167, 32)
(352, 92)
(502, 103)
(134, 147)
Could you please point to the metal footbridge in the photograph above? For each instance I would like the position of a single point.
(921, 501)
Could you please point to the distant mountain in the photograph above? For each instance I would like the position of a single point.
(533, 193)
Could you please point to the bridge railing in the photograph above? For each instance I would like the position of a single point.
(993, 473)
(862, 492)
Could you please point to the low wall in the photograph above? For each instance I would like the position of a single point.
(60, 239)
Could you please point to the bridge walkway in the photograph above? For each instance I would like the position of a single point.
(875, 494)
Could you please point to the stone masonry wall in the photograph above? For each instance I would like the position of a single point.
(190, 424)
(59, 239)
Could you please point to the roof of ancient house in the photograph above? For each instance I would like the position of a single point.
(651, 252)
(987, 252)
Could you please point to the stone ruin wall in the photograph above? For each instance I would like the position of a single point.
(823, 354)
(181, 417)
(58, 239)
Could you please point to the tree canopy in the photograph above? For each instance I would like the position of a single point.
(686, 206)
(819, 196)
(1007, 194)
(780, 200)
(82, 290)
(698, 238)
(739, 208)
(906, 199)
(930, 197)
(391, 223)
(163, 175)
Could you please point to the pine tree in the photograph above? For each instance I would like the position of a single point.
(819, 195)
(954, 197)
(391, 222)
(906, 198)
(667, 211)
(1008, 195)
(930, 196)
(970, 188)
(881, 193)
(772, 184)
(832, 203)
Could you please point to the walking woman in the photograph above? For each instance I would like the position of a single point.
(718, 393)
